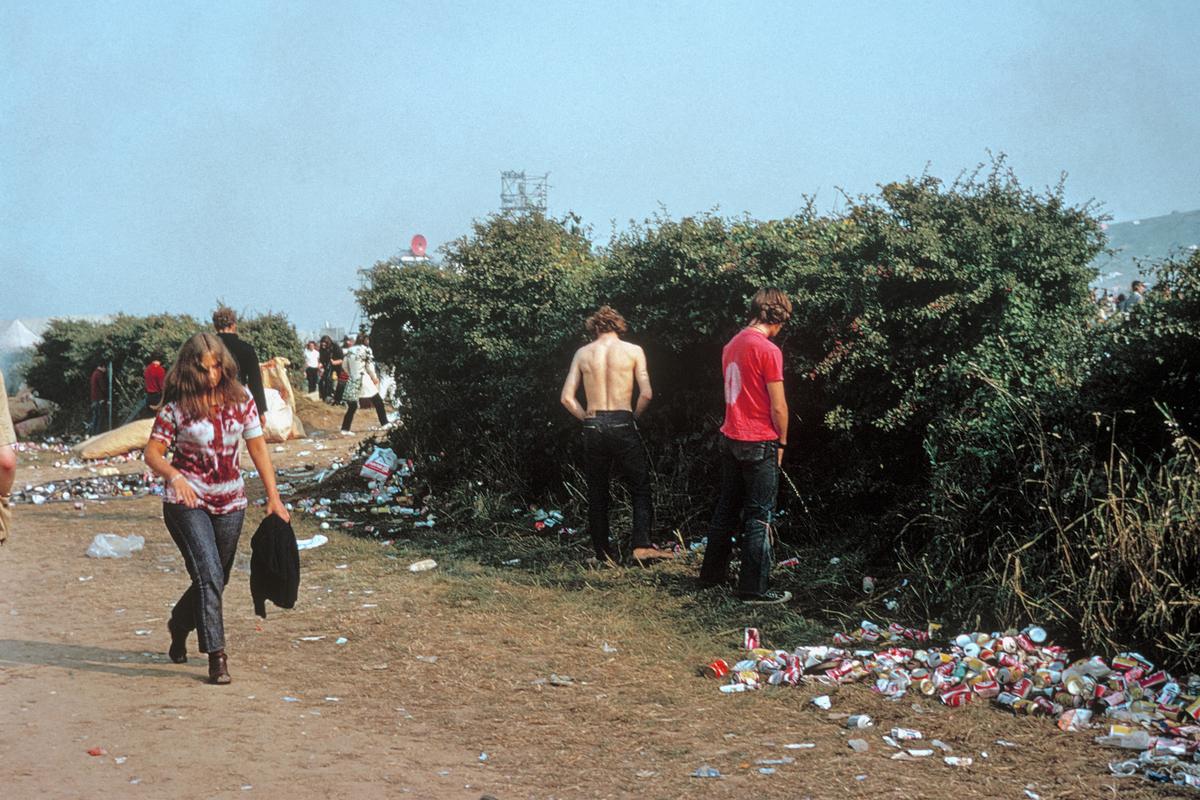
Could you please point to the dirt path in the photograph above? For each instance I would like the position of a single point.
(438, 669)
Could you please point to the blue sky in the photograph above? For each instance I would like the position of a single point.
(156, 156)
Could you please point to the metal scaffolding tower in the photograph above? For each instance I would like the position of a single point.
(521, 193)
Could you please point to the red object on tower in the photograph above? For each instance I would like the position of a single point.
(418, 245)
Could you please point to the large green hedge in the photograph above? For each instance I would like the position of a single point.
(70, 349)
(958, 406)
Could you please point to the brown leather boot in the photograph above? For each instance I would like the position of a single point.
(218, 670)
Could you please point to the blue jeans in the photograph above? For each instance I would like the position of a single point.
(611, 440)
(208, 543)
(746, 505)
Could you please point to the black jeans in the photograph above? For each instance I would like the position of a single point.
(311, 374)
(352, 406)
(611, 439)
(746, 505)
(208, 543)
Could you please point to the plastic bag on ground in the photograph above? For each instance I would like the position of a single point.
(277, 421)
(380, 465)
(111, 545)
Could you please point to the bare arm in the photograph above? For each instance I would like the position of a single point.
(779, 412)
(570, 389)
(155, 457)
(642, 373)
(257, 448)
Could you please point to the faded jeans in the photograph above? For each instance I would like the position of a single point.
(746, 505)
(611, 440)
(208, 543)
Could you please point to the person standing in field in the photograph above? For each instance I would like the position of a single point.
(753, 438)
(153, 377)
(608, 369)
(363, 384)
(8, 462)
(98, 397)
(225, 322)
(206, 415)
(312, 365)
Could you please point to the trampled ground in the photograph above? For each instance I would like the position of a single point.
(439, 669)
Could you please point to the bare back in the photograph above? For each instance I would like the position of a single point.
(608, 368)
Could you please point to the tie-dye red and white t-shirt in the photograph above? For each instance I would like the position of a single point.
(207, 452)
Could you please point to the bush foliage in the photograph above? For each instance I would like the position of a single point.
(70, 349)
(953, 391)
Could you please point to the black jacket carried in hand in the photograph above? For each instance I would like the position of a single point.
(274, 565)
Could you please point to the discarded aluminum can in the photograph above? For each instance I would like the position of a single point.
(956, 696)
(868, 584)
(718, 668)
(905, 734)
(859, 721)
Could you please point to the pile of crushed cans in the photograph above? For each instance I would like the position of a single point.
(384, 497)
(103, 486)
(1144, 708)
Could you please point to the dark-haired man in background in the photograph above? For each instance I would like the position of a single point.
(753, 437)
(609, 368)
(225, 322)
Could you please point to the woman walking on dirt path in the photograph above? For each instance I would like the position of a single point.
(363, 383)
(205, 415)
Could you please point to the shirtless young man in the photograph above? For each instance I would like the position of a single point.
(608, 368)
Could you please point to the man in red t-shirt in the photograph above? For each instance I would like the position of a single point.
(153, 376)
(753, 438)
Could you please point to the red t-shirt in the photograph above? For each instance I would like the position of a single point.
(749, 362)
(97, 387)
(154, 375)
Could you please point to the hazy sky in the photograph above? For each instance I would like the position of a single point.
(155, 156)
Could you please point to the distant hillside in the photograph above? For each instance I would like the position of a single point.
(1138, 243)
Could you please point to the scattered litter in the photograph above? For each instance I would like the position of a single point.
(859, 745)
(766, 770)
(646, 773)
(608, 648)
(311, 638)
(341, 640)
(958, 761)
(905, 734)
(859, 721)
(1005, 743)
(97, 751)
(110, 545)
(342, 566)
(822, 701)
(766, 762)
(141, 632)
(85, 578)
(428, 659)
(316, 541)
(706, 772)
(561, 680)
(120, 759)
(290, 699)
(424, 565)
(800, 746)
(919, 753)
(483, 757)
(512, 562)
(940, 745)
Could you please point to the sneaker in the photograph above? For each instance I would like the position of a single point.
(348, 433)
(768, 598)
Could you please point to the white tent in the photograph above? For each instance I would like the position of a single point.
(17, 337)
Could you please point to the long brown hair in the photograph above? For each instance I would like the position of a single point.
(187, 383)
